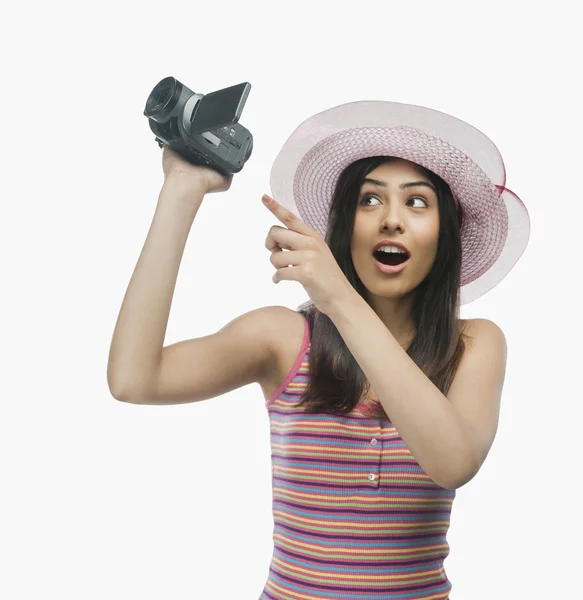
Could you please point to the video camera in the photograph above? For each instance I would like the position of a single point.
(204, 129)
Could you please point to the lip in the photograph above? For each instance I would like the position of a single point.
(391, 269)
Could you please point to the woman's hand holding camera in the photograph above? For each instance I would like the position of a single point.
(199, 178)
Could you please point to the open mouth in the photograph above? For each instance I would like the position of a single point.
(391, 258)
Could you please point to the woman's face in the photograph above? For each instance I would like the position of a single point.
(387, 211)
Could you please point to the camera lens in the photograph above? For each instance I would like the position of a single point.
(160, 96)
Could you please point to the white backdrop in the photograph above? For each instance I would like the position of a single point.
(102, 499)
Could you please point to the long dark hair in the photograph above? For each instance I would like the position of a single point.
(336, 382)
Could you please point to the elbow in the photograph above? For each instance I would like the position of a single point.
(125, 390)
(456, 480)
(457, 483)
(124, 395)
(126, 399)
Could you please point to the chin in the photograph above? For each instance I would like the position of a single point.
(390, 286)
(387, 288)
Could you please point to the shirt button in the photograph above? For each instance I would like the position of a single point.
(373, 442)
(371, 476)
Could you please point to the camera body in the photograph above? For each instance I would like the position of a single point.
(204, 129)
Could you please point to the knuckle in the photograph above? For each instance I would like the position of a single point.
(270, 238)
(309, 270)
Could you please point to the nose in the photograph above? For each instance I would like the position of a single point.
(392, 218)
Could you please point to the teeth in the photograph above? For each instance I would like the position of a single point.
(390, 249)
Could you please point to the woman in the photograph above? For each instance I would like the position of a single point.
(382, 402)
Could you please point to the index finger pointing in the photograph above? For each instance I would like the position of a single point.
(286, 216)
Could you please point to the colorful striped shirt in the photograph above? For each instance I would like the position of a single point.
(355, 516)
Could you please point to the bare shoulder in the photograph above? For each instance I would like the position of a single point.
(286, 328)
(283, 323)
(486, 331)
(478, 325)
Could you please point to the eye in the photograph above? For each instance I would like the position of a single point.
(419, 198)
(366, 196)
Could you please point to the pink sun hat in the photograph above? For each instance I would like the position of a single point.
(495, 226)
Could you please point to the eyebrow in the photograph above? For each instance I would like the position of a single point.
(402, 186)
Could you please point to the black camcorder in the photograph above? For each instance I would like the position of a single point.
(204, 129)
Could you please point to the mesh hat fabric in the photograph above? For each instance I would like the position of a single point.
(495, 227)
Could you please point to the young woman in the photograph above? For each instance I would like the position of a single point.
(381, 400)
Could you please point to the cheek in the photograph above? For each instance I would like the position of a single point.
(362, 234)
(359, 251)
(429, 254)
(427, 238)
(357, 245)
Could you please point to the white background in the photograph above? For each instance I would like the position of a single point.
(101, 499)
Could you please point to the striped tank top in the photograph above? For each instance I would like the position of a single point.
(355, 516)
